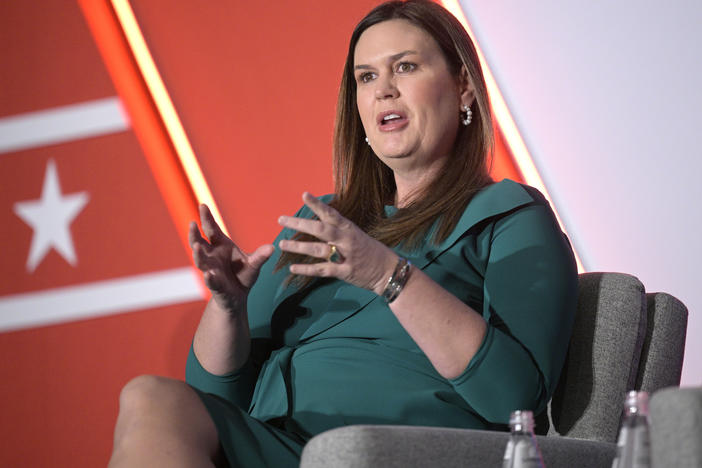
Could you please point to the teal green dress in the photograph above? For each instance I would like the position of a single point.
(336, 355)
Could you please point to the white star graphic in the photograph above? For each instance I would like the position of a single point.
(51, 217)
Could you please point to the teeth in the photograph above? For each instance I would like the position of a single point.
(391, 116)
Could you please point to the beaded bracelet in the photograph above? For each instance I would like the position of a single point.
(397, 280)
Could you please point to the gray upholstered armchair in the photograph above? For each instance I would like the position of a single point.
(623, 339)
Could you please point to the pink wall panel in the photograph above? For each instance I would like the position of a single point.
(607, 97)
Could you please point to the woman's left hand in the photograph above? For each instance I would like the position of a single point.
(362, 260)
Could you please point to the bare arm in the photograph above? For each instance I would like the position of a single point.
(222, 341)
(451, 336)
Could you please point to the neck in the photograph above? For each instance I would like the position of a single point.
(409, 184)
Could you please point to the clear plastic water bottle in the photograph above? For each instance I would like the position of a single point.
(522, 449)
(633, 444)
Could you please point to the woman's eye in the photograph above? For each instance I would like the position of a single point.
(365, 77)
(405, 67)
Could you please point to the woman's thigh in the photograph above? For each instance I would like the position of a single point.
(180, 419)
(168, 414)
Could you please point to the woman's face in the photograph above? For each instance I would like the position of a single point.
(408, 100)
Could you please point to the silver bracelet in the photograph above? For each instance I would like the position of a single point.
(397, 280)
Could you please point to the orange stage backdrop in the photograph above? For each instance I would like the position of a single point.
(254, 84)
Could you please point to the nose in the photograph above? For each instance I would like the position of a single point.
(385, 88)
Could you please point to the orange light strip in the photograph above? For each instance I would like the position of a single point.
(144, 119)
(506, 123)
(165, 106)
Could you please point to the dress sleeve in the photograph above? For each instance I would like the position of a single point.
(530, 293)
(238, 386)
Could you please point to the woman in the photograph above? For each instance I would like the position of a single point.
(419, 293)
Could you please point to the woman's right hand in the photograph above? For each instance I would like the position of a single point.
(227, 271)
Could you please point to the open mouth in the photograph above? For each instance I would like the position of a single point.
(391, 120)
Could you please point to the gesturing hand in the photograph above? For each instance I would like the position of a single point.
(228, 272)
(363, 261)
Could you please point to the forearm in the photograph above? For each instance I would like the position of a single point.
(445, 329)
(222, 341)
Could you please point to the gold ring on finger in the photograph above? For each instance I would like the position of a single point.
(334, 255)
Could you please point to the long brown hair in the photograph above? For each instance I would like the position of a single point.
(364, 184)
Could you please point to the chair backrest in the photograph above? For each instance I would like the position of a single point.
(622, 339)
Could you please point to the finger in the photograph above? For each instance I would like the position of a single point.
(209, 225)
(308, 226)
(260, 255)
(322, 270)
(313, 249)
(194, 236)
(200, 257)
(324, 212)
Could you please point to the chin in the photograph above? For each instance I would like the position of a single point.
(392, 159)
(395, 152)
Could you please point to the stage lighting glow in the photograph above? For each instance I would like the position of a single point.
(165, 106)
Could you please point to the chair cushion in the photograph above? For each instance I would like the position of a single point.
(603, 357)
(676, 425)
(419, 447)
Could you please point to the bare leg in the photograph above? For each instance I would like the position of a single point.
(162, 422)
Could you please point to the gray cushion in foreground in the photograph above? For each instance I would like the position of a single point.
(411, 446)
(676, 427)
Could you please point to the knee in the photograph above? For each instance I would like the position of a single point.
(150, 401)
(145, 392)
(159, 408)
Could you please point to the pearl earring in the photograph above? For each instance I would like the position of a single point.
(367, 142)
(469, 115)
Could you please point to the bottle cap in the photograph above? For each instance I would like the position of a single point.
(636, 403)
(521, 421)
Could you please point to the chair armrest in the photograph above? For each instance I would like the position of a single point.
(420, 447)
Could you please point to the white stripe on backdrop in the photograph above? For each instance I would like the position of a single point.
(62, 124)
(100, 298)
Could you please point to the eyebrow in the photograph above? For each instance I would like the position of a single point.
(392, 58)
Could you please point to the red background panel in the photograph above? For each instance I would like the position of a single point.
(255, 84)
(59, 385)
(48, 57)
(122, 230)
